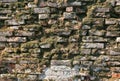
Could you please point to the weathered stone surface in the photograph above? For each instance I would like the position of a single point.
(76, 3)
(102, 9)
(51, 4)
(63, 40)
(69, 15)
(115, 51)
(43, 16)
(93, 39)
(92, 45)
(24, 33)
(86, 27)
(97, 32)
(45, 46)
(8, 1)
(85, 51)
(15, 22)
(5, 11)
(112, 34)
(17, 39)
(45, 10)
(111, 21)
(118, 39)
(6, 33)
(69, 9)
(3, 39)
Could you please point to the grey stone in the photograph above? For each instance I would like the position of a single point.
(92, 45)
(93, 39)
(69, 15)
(102, 10)
(84, 32)
(6, 33)
(103, 15)
(44, 10)
(5, 11)
(2, 45)
(110, 21)
(8, 1)
(85, 51)
(118, 3)
(113, 28)
(43, 16)
(15, 22)
(62, 40)
(24, 33)
(86, 27)
(95, 32)
(51, 4)
(45, 46)
(115, 51)
(112, 34)
(76, 3)
(60, 62)
(118, 39)
(3, 39)
(17, 39)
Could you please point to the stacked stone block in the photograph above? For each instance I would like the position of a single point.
(35, 33)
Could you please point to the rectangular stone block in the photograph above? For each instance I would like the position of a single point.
(110, 21)
(112, 34)
(115, 51)
(2, 45)
(118, 39)
(8, 1)
(51, 4)
(95, 32)
(43, 16)
(45, 46)
(3, 39)
(85, 51)
(44, 10)
(6, 33)
(60, 62)
(69, 15)
(102, 10)
(93, 39)
(17, 39)
(23, 33)
(86, 27)
(5, 11)
(76, 3)
(92, 45)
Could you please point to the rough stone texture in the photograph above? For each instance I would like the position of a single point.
(61, 40)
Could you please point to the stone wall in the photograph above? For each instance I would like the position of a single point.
(77, 40)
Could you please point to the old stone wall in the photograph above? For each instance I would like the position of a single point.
(46, 39)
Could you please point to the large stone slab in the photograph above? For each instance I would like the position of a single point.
(93, 39)
(95, 32)
(43, 16)
(69, 15)
(3, 39)
(17, 39)
(92, 45)
(6, 33)
(44, 10)
(23, 33)
(102, 10)
(8, 1)
(113, 34)
(115, 51)
(118, 39)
